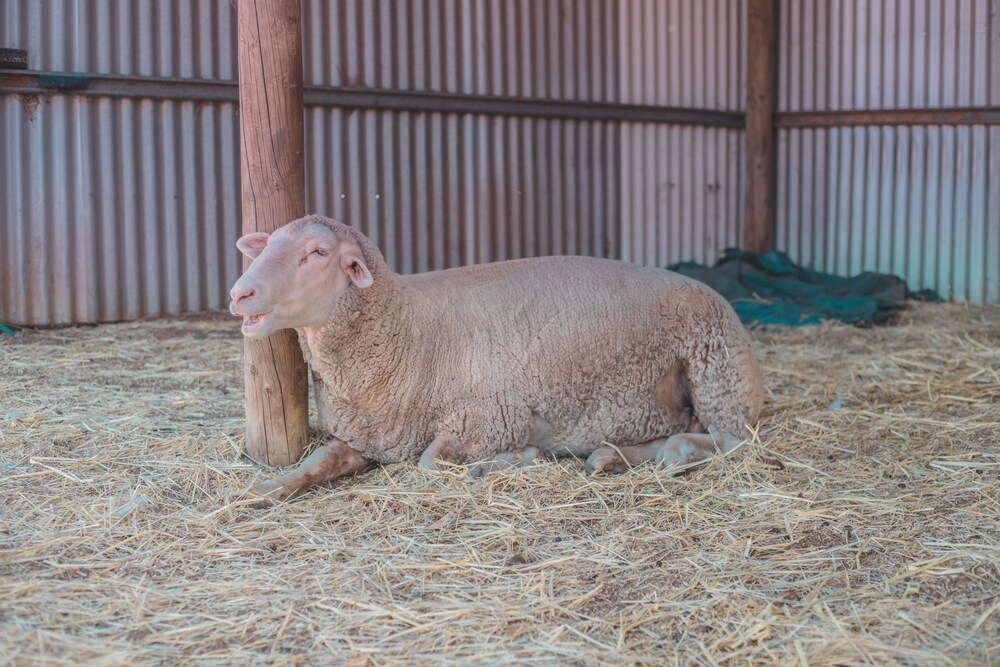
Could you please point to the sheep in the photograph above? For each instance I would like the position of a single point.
(500, 364)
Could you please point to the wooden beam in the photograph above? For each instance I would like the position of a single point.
(273, 183)
(762, 77)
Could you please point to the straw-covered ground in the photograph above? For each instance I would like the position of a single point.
(863, 527)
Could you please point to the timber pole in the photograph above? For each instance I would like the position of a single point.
(762, 79)
(273, 184)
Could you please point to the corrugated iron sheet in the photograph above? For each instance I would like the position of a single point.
(872, 54)
(682, 192)
(548, 49)
(437, 190)
(121, 208)
(116, 209)
(684, 53)
(682, 185)
(188, 39)
(922, 202)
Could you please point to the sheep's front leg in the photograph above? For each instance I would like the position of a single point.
(445, 448)
(528, 456)
(619, 459)
(330, 461)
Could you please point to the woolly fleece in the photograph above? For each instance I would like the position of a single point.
(563, 353)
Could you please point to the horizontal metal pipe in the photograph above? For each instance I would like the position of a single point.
(940, 116)
(48, 83)
(53, 83)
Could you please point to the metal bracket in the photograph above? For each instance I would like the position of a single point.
(13, 59)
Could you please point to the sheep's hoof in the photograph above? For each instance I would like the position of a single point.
(486, 467)
(605, 461)
(261, 496)
(676, 453)
(528, 456)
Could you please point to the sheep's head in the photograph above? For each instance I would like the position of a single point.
(296, 276)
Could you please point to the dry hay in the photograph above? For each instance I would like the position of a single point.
(862, 527)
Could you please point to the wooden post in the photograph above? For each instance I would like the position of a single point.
(762, 78)
(273, 183)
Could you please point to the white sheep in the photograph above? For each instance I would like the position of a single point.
(499, 363)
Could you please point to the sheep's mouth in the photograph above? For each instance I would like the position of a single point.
(253, 322)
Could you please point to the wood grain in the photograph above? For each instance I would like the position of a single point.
(762, 78)
(273, 185)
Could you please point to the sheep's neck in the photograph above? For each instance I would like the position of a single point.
(364, 341)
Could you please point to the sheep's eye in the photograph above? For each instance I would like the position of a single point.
(320, 251)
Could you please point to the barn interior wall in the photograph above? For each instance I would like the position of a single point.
(437, 189)
(127, 205)
(682, 185)
(920, 201)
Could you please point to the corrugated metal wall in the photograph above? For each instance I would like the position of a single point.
(115, 209)
(919, 201)
(540, 49)
(437, 189)
(682, 185)
(120, 208)
(190, 39)
(117, 206)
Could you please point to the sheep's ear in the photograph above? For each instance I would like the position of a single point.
(253, 244)
(354, 264)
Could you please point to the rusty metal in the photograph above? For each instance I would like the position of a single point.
(962, 116)
(380, 100)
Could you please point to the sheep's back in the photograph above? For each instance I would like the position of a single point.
(581, 341)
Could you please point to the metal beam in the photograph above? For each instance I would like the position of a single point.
(49, 83)
(55, 83)
(941, 116)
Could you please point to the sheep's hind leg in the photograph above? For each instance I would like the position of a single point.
(677, 450)
(330, 461)
(686, 448)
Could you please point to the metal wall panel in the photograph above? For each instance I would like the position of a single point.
(120, 208)
(873, 54)
(188, 39)
(440, 190)
(684, 53)
(682, 192)
(541, 49)
(918, 201)
(115, 209)
(682, 185)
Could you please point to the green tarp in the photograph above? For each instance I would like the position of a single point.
(768, 288)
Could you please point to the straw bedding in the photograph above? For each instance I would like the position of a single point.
(860, 526)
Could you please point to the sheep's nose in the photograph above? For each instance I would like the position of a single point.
(241, 294)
